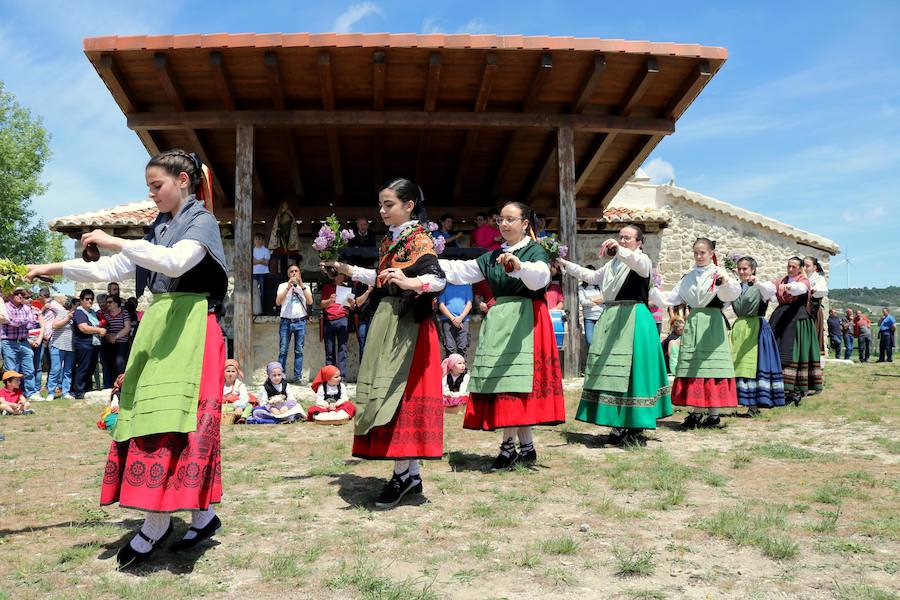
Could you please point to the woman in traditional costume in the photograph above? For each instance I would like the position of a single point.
(165, 451)
(817, 294)
(515, 381)
(704, 377)
(399, 409)
(794, 326)
(625, 381)
(757, 365)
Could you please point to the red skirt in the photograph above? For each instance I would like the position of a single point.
(704, 392)
(347, 407)
(417, 429)
(544, 405)
(166, 472)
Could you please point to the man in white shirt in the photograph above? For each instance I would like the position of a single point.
(294, 297)
(261, 257)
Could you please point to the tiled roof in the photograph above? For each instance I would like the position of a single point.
(135, 213)
(621, 214)
(753, 218)
(397, 40)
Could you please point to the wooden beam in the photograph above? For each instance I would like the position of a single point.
(434, 81)
(378, 161)
(220, 79)
(374, 119)
(167, 81)
(598, 148)
(627, 168)
(317, 211)
(326, 85)
(111, 75)
(276, 89)
(538, 81)
(689, 90)
(243, 242)
(639, 87)
(589, 85)
(568, 231)
(149, 142)
(488, 74)
(379, 76)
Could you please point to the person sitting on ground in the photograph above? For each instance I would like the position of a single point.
(332, 401)
(276, 402)
(235, 397)
(11, 396)
(455, 382)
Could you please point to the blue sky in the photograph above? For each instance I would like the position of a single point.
(801, 124)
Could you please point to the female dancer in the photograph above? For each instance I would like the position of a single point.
(515, 381)
(165, 450)
(757, 366)
(625, 381)
(795, 332)
(818, 291)
(399, 408)
(704, 378)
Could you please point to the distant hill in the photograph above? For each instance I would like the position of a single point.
(889, 296)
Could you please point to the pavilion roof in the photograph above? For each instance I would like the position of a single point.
(471, 118)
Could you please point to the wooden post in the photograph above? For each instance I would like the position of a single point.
(243, 242)
(568, 228)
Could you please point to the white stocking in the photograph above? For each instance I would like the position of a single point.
(155, 525)
(199, 520)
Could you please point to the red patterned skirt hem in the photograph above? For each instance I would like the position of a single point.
(417, 429)
(704, 392)
(166, 472)
(544, 405)
(346, 406)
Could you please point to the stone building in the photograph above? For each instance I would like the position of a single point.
(671, 216)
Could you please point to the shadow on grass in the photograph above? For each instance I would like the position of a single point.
(179, 563)
(464, 461)
(585, 439)
(360, 492)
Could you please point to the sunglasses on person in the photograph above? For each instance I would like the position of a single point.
(87, 298)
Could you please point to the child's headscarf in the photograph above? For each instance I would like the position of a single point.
(324, 374)
(272, 366)
(450, 362)
(237, 367)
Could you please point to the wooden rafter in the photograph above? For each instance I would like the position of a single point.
(488, 74)
(628, 166)
(602, 143)
(176, 97)
(111, 75)
(276, 89)
(700, 76)
(379, 76)
(351, 211)
(538, 80)
(220, 79)
(545, 164)
(326, 85)
(589, 85)
(432, 87)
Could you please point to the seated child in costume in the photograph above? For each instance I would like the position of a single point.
(332, 402)
(11, 396)
(276, 403)
(237, 402)
(455, 382)
(110, 416)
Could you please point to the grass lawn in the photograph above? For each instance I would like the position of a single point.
(798, 503)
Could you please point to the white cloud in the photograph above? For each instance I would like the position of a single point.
(475, 25)
(659, 170)
(868, 214)
(348, 19)
(432, 25)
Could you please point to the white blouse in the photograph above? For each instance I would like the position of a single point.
(463, 387)
(684, 292)
(320, 394)
(535, 275)
(171, 262)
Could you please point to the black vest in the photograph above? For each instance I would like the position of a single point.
(454, 386)
(635, 288)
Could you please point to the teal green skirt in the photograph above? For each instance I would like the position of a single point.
(646, 397)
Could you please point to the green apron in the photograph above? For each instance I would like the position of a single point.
(504, 358)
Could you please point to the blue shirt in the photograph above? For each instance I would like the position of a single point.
(446, 235)
(455, 297)
(886, 323)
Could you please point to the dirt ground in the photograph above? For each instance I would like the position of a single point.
(802, 502)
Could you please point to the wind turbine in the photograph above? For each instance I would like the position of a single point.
(846, 260)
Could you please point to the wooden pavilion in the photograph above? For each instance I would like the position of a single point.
(320, 121)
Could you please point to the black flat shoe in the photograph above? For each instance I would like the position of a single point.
(528, 457)
(128, 557)
(211, 529)
(634, 438)
(504, 462)
(395, 489)
(616, 437)
(711, 423)
(692, 421)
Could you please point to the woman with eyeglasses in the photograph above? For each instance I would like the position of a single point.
(165, 454)
(515, 382)
(625, 382)
(114, 345)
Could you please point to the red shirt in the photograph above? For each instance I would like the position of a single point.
(484, 237)
(553, 295)
(334, 310)
(11, 396)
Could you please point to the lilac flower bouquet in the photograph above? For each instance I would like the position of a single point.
(331, 240)
(439, 242)
(553, 248)
(731, 260)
